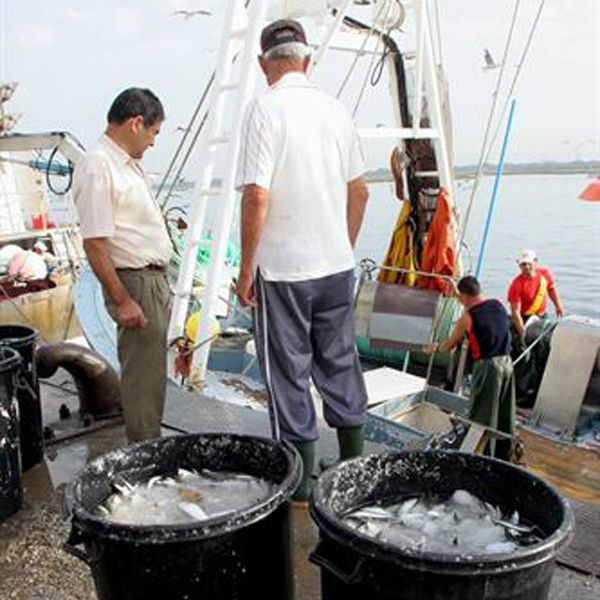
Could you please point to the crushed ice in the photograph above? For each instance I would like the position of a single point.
(187, 498)
(460, 525)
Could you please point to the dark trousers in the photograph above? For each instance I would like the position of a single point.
(304, 330)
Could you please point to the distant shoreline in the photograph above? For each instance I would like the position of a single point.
(544, 168)
(463, 172)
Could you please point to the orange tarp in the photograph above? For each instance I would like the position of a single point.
(439, 254)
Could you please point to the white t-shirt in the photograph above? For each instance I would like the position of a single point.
(114, 201)
(302, 146)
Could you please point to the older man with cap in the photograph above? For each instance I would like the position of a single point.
(529, 291)
(300, 168)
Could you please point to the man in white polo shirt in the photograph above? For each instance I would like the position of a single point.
(300, 169)
(128, 247)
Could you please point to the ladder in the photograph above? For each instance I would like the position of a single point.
(241, 32)
(426, 89)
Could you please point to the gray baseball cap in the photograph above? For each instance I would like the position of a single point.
(281, 32)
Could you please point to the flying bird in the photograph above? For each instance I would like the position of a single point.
(490, 63)
(188, 14)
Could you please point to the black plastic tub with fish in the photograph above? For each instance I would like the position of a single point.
(243, 555)
(355, 565)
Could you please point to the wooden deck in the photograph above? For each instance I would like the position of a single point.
(573, 469)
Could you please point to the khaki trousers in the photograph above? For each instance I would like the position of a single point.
(143, 353)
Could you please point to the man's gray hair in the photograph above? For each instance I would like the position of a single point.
(292, 50)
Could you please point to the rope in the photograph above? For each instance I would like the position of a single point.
(360, 51)
(529, 348)
(368, 71)
(49, 181)
(488, 128)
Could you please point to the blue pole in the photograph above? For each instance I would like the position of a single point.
(499, 170)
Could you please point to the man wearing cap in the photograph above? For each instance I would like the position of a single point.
(528, 293)
(128, 247)
(300, 169)
(528, 297)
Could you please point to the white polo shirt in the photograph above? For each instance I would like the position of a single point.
(302, 146)
(114, 201)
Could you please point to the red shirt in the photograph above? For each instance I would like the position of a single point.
(524, 289)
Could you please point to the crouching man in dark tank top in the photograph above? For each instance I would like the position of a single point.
(487, 325)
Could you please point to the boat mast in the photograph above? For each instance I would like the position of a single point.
(240, 34)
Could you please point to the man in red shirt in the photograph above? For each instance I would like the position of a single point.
(528, 297)
(528, 293)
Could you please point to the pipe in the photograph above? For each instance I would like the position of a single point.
(499, 171)
(98, 385)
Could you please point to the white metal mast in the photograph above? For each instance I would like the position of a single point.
(241, 32)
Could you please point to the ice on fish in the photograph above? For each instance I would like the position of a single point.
(460, 524)
(187, 498)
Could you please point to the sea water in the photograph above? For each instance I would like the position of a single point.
(459, 525)
(541, 212)
(188, 497)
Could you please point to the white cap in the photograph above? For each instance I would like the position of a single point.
(527, 256)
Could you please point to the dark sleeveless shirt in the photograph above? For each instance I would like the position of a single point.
(490, 330)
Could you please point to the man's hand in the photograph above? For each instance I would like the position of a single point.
(560, 312)
(130, 314)
(245, 289)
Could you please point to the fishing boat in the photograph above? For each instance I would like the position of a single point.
(416, 399)
(402, 301)
(40, 247)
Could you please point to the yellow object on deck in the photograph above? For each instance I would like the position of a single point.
(191, 326)
(401, 251)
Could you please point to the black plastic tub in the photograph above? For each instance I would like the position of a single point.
(243, 556)
(355, 566)
(23, 339)
(11, 491)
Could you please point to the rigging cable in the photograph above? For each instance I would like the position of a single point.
(182, 142)
(380, 35)
(516, 76)
(484, 145)
(360, 51)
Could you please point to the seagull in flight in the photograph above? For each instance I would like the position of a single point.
(490, 63)
(188, 14)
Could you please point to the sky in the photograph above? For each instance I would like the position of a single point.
(72, 57)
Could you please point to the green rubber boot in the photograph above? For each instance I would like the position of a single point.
(351, 441)
(307, 453)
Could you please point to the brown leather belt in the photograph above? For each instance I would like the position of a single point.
(159, 268)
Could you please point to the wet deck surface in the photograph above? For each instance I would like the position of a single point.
(34, 567)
